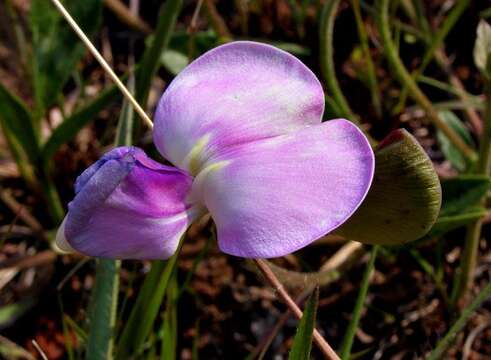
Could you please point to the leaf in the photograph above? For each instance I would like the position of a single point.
(445, 224)
(451, 152)
(405, 197)
(150, 61)
(461, 196)
(174, 61)
(302, 343)
(463, 192)
(482, 48)
(15, 117)
(76, 121)
(56, 48)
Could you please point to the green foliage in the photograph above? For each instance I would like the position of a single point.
(404, 200)
(461, 196)
(451, 152)
(449, 338)
(146, 308)
(102, 310)
(302, 344)
(16, 119)
(56, 48)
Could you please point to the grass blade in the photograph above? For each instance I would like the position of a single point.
(18, 120)
(146, 308)
(102, 310)
(150, 62)
(302, 344)
(447, 340)
(349, 337)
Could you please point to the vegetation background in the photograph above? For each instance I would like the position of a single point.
(59, 112)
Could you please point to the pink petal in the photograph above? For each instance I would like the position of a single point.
(275, 196)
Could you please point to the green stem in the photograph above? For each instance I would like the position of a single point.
(372, 79)
(327, 58)
(349, 336)
(465, 275)
(406, 79)
(448, 339)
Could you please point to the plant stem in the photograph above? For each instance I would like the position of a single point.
(349, 336)
(469, 256)
(370, 68)
(407, 80)
(327, 58)
(276, 284)
(447, 340)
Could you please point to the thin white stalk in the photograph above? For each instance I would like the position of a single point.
(103, 63)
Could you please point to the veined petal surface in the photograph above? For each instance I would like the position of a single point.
(236, 93)
(128, 206)
(274, 196)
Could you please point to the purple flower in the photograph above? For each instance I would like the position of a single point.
(242, 124)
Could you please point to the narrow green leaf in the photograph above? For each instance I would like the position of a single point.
(15, 117)
(150, 61)
(146, 308)
(448, 339)
(102, 310)
(302, 344)
(169, 325)
(451, 152)
(75, 122)
(463, 192)
(349, 336)
(404, 200)
(56, 48)
(448, 223)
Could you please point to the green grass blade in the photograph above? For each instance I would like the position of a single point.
(349, 337)
(151, 60)
(146, 308)
(102, 310)
(169, 326)
(302, 344)
(448, 339)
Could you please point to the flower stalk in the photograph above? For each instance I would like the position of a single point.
(291, 304)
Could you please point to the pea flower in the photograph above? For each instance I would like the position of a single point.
(242, 125)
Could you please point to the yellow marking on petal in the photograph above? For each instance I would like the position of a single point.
(196, 195)
(194, 158)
